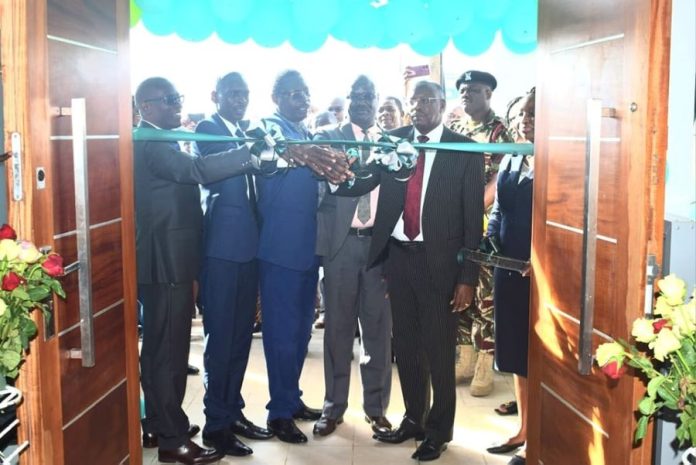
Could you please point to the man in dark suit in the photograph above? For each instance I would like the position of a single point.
(228, 282)
(287, 205)
(353, 292)
(168, 238)
(421, 223)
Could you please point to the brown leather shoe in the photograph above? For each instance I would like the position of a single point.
(325, 425)
(379, 424)
(150, 439)
(189, 454)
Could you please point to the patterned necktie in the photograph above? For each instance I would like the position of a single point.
(414, 188)
(363, 210)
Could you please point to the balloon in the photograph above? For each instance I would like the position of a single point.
(194, 20)
(307, 40)
(159, 23)
(318, 15)
(365, 26)
(232, 33)
(476, 39)
(232, 11)
(448, 19)
(386, 42)
(430, 45)
(270, 24)
(404, 20)
(519, 27)
(135, 13)
(149, 6)
(494, 10)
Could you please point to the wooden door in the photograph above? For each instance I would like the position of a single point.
(615, 51)
(52, 52)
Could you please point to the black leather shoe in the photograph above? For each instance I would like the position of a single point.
(408, 429)
(505, 448)
(226, 442)
(189, 454)
(308, 414)
(192, 370)
(245, 428)
(379, 424)
(517, 460)
(287, 430)
(325, 425)
(150, 439)
(430, 449)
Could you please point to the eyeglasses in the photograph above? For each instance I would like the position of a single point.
(335, 109)
(297, 95)
(423, 101)
(170, 100)
(364, 96)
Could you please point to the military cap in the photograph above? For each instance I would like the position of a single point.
(480, 77)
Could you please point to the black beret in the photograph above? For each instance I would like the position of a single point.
(481, 77)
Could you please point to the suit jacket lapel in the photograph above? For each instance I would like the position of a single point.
(439, 166)
(218, 119)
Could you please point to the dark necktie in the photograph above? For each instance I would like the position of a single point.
(363, 210)
(414, 188)
(251, 188)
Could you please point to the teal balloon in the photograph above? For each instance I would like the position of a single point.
(154, 5)
(159, 23)
(494, 10)
(476, 39)
(365, 26)
(316, 15)
(430, 46)
(405, 20)
(307, 40)
(194, 20)
(387, 42)
(448, 19)
(232, 33)
(519, 27)
(232, 11)
(271, 23)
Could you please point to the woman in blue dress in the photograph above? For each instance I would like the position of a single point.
(510, 223)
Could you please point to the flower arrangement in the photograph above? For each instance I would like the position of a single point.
(28, 278)
(664, 352)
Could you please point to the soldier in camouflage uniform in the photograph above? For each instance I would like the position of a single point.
(476, 342)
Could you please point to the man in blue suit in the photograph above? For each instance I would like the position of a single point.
(229, 278)
(288, 265)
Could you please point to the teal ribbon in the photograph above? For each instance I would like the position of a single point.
(161, 135)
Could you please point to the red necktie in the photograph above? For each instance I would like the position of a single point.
(414, 188)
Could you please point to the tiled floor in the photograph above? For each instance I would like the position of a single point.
(476, 425)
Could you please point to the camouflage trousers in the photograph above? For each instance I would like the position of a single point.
(476, 323)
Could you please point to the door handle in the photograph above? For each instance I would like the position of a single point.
(84, 269)
(589, 236)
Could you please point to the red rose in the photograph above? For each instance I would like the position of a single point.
(614, 370)
(10, 281)
(659, 324)
(6, 232)
(53, 265)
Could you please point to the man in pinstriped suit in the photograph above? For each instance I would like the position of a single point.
(420, 225)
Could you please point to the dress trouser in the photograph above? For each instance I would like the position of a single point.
(164, 359)
(229, 291)
(425, 334)
(356, 294)
(287, 307)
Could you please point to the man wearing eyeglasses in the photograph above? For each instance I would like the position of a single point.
(287, 206)
(354, 294)
(476, 342)
(229, 277)
(168, 237)
(423, 218)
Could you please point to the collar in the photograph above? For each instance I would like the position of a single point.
(232, 127)
(372, 131)
(433, 136)
(151, 124)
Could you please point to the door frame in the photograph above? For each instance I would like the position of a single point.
(24, 64)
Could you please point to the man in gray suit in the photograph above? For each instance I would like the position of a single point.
(354, 294)
(423, 219)
(168, 242)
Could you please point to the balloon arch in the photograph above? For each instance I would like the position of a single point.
(427, 26)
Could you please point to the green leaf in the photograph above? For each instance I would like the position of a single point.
(20, 293)
(38, 293)
(641, 428)
(654, 384)
(647, 406)
(10, 358)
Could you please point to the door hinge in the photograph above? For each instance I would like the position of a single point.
(652, 271)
